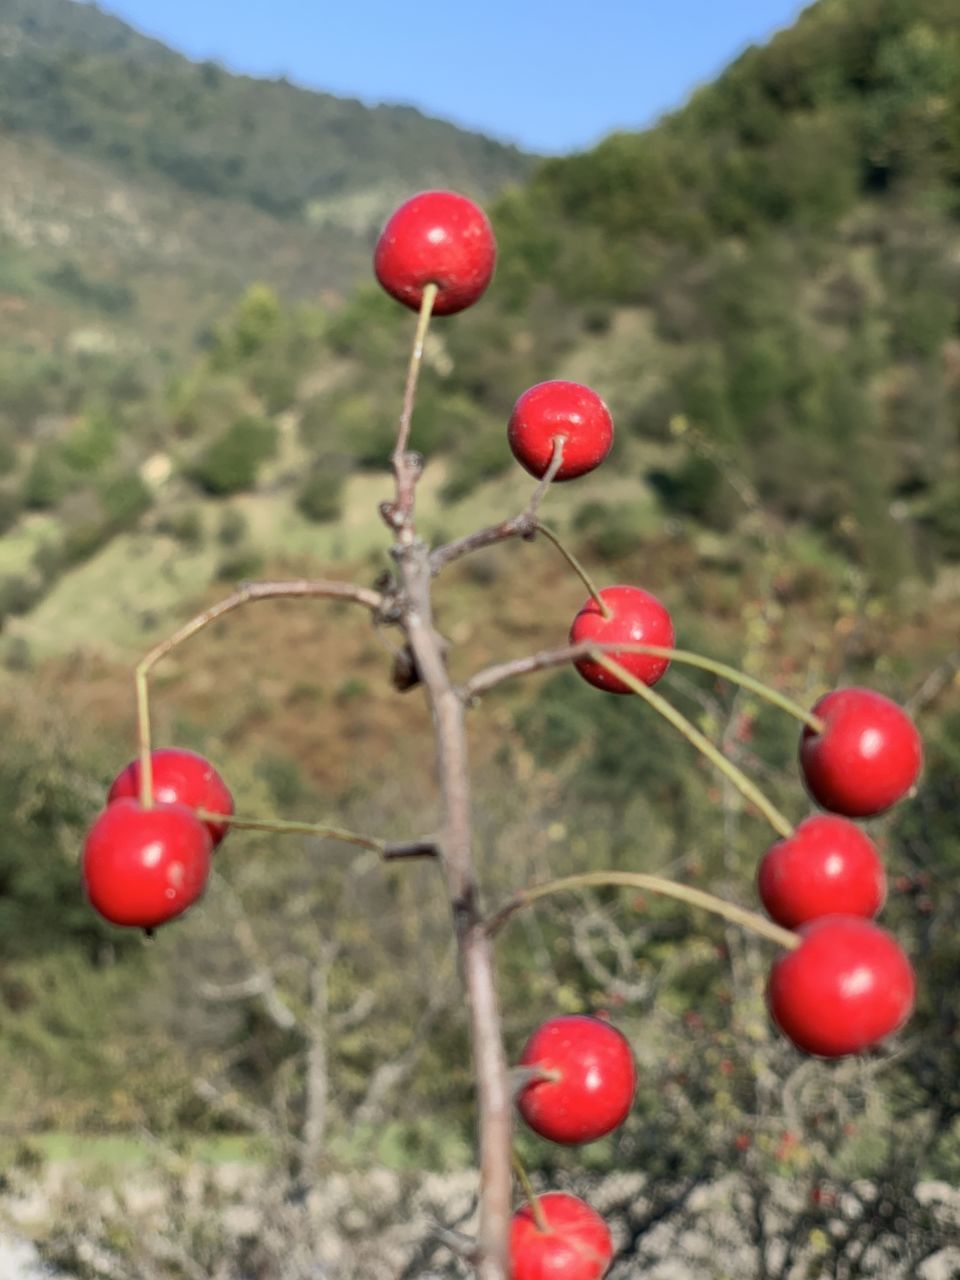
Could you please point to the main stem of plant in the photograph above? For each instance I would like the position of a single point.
(494, 1103)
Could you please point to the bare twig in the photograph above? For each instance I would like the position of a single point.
(476, 957)
(408, 466)
(425, 848)
(523, 525)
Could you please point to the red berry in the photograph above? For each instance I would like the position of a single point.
(846, 986)
(596, 1079)
(564, 410)
(179, 777)
(142, 867)
(638, 618)
(576, 1245)
(866, 757)
(828, 867)
(441, 238)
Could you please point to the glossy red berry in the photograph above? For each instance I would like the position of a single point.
(441, 238)
(142, 867)
(564, 410)
(595, 1079)
(867, 756)
(179, 777)
(638, 618)
(845, 987)
(575, 1246)
(828, 867)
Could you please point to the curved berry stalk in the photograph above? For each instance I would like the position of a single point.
(253, 591)
(491, 676)
(747, 789)
(749, 920)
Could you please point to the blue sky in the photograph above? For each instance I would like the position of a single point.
(552, 75)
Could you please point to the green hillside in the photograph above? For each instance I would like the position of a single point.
(87, 82)
(192, 392)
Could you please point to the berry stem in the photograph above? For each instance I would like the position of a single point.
(408, 466)
(576, 566)
(485, 680)
(539, 1217)
(548, 477)
(413, 370)
(749, 920)
(282, 826)
(522, 1077)
(143, 737)
(251, 591)
(736, 776)
(688, 657)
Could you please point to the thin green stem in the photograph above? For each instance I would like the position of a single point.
(687, 657)
(539, 1217)
(299, 588)
(749, 920)
(413, 370)
(736, 776)
(284, 827)
(391, 851)
(143, 737)
(577, 567)
(490, 677)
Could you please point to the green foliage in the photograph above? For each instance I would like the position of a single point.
(320, 497)
(612, 531)
(232, 462)
(113, 298)
(696, 488)
(124, 499)
(47, 481)
(90, 443)
(185, 524)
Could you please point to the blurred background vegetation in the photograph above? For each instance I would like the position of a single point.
(198, 385)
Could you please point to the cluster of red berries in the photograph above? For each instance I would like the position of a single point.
(847, 983)
(146, 864)
(582, 1086)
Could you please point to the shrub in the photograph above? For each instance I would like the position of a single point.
(232, 463)
(321, 497)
